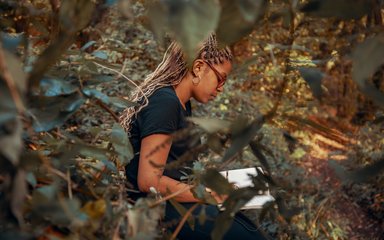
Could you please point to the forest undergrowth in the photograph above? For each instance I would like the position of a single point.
(320, 144)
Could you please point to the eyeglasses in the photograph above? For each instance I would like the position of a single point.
(220, 78)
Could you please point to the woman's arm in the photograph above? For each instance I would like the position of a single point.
(153, 157)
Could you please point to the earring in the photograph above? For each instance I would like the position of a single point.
(196, 80)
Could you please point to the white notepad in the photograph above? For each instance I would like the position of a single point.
(241, 178)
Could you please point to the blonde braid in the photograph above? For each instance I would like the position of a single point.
(171, 70)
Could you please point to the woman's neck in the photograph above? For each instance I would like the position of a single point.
(183, 90)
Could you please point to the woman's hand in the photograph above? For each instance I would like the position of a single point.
(218, 198)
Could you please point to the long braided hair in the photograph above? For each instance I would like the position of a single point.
(170, 72)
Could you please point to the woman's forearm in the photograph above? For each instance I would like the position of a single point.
(168, 185)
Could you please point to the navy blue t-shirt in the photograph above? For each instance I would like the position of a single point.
(163, 114)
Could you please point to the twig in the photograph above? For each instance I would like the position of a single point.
(125, 77)
(124, 66)
(185, 217)
(187, 188)
(320, 208)
(64, 176)
(105, 107)
(116, 231)
(325, 231)
(10, 82)
(69, 184)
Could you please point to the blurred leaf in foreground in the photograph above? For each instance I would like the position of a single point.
(360, 175)
(121, 144)
(313, 77)
(51, 112)
(242, 135)
(367, 58)
(217, 182)
(238, 19)
(74, 15)
(211, 125)
(343, 9)
(190, 22)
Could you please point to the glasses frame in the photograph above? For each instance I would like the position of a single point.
(220, 78)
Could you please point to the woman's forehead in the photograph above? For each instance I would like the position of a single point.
(224, 68)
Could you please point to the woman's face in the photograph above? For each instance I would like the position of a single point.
(212, 79)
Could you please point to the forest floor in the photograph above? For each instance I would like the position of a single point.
(355, 219)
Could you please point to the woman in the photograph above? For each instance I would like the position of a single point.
(164, 99)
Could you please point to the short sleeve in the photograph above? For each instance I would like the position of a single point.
(161, 115)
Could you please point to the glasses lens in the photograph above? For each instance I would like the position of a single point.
(220, 79)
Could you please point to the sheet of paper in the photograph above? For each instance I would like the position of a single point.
(241, 178)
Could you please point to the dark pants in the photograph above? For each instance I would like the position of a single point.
(241, 228)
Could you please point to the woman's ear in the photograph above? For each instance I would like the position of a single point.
(197, 67)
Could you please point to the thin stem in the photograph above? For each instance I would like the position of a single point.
(183, 220)
(125, 77)
(69, 184)
(187, 188)
(106, 108)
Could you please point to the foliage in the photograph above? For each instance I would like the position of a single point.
(62, 155)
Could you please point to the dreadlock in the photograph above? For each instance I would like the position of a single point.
(170, 72)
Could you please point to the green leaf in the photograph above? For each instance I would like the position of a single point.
(51, 112)
(10, 42)
(11, 142)
(217, 182)
(30, 160)
(18, 194)
(365, 173)
(232, 204)
(110, 165)
(222, 224)
(8, 111)
(238, 19)
(258, 153)
(286, 212)
(76, 14)
(367, 58)
(93, 93)
(261, 179)
(190, 22)
(211, 125)
(214, 142)
(48, 193)
(93, 152)
(15, 68)
(87, 45)
(268, 206)
(121, 144)
(51, 87)
(11, 235)
(313, 77)
(298, 153)
(61, 212)
(238, 198)
(100, 54)
(89, 66)
(242, 137)
(31, 179)
(342, 9)
(360, 175)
